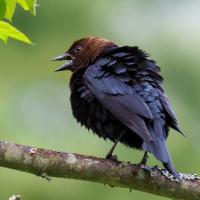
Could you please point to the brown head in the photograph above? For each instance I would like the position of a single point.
(83, 52)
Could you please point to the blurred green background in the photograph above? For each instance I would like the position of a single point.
(34, 105)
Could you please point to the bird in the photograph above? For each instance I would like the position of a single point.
(116, 92)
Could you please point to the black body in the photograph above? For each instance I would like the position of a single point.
(121, 92)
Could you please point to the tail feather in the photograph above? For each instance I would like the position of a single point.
(158, 146)
(170, 167)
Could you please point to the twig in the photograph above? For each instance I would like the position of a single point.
(48, 163)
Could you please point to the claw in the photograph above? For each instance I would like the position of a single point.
(112, 157)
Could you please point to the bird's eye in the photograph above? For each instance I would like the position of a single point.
(77, 49)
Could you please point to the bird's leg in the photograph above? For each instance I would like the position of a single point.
(109, 154)
(144, 159)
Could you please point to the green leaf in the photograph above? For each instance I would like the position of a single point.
(3, 38)
(28, 5)
(2, 8)
(10, 9)
(8, 30)
(32, 4)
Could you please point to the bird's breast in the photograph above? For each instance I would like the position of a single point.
(89, 112)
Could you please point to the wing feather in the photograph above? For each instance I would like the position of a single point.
(121, 100)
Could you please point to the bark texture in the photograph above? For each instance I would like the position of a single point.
(48, 163)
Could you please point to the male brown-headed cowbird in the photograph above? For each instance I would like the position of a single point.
(116, 92)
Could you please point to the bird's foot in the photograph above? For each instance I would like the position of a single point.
(112, 157)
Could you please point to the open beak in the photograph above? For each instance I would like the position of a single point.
(67, 65)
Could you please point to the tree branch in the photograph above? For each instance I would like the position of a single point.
(48, 163)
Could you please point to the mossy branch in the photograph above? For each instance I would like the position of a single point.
(48, 163)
